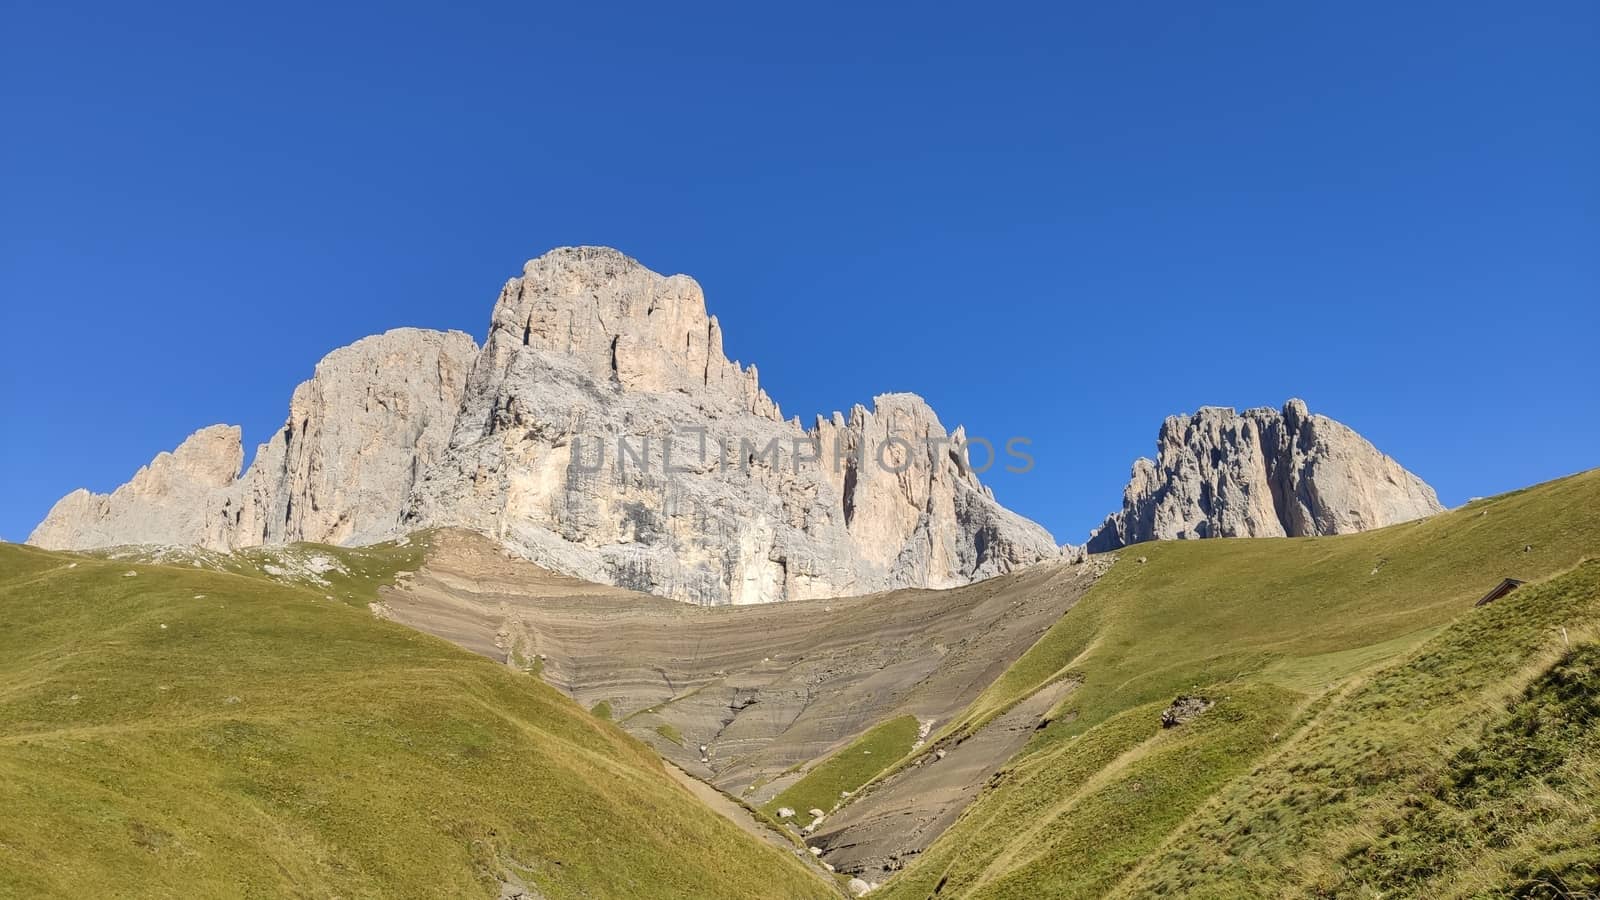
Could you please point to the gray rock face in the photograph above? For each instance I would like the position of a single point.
(359, 433)
(338, 471)
(600, 432)
(605, 435)
(168, 501)
(1262, 473)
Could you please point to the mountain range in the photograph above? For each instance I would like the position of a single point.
(503, 621)
(600, 431)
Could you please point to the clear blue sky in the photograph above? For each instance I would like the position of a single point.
(1063, 222)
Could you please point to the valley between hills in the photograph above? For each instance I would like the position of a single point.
(434, 715)
(422, 645)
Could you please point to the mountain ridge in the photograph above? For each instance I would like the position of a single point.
(413, 429)
(1323, 676)
(602, 432)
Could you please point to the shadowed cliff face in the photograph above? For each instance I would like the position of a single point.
(1262, 473)
(600, 432)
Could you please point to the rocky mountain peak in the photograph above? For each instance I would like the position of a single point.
(1262, 473)
(602, 432)
(211, 456)
(605, 434)
(622, 324)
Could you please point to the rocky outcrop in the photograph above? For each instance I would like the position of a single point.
(911, 501)
(601, 432)
(169, 501)
(339, 471)
(373, 417)
(1262, 473)
(606, 435)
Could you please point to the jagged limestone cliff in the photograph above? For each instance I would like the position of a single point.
(358, 433)
(1262, 473)
(602, 432)
(605, 434)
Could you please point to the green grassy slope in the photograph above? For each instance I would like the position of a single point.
(875, 750)
(189, 732)
(1284, 635)
(1197, 612)
(1472, 768)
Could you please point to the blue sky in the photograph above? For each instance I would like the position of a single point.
(1060, 222)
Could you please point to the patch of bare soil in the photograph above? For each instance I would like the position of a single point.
(882, 829)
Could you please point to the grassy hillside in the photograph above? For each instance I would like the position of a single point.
(1351, 678)
(177, 724)
(1472, 768)
(171, 730)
